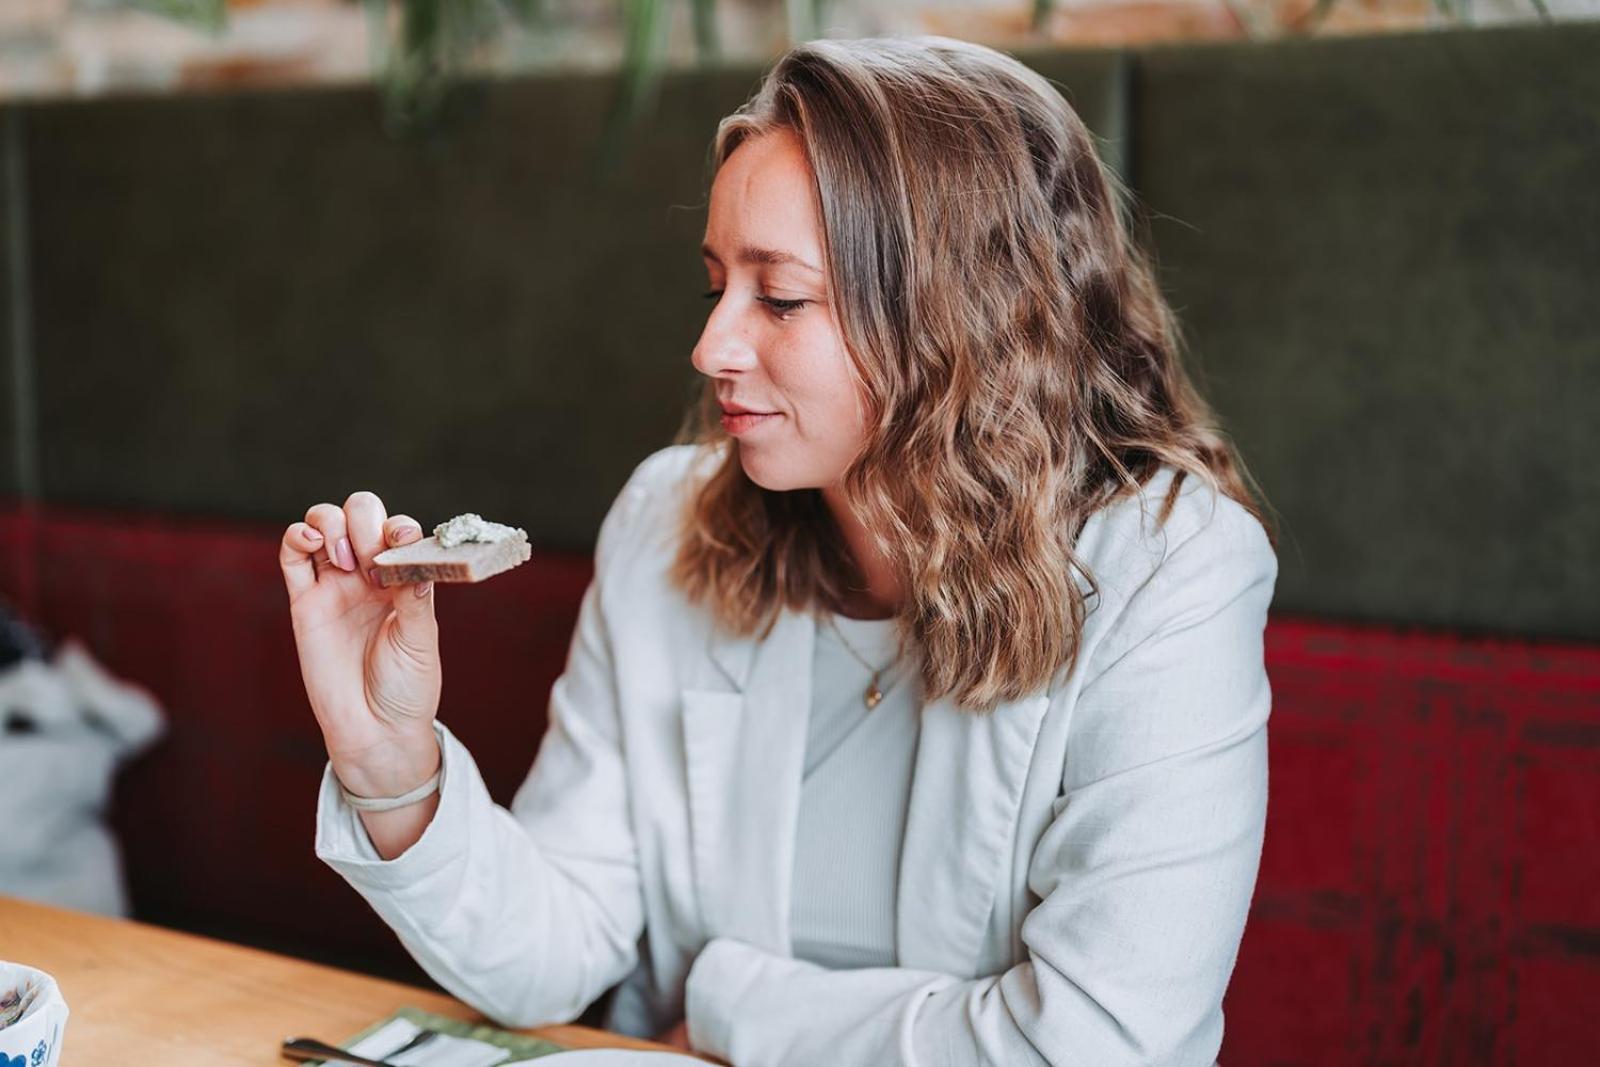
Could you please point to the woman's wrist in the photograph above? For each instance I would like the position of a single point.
(393, 773)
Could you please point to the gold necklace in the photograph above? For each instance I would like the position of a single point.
(873, 695)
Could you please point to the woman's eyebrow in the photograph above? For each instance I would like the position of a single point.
(770, 257)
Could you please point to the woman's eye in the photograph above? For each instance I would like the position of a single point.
(782, 307)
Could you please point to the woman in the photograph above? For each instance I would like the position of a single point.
(916, 713)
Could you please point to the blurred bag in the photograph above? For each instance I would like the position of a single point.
(65, 725)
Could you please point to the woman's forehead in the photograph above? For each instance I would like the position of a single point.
(763, 198)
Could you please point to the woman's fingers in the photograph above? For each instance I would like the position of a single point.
(400, 530)
(348, 536)
(301, 543)
(410, 603)
(364, 517)
(328, 520)
(403, 530)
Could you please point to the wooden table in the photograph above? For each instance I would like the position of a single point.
(152, 995)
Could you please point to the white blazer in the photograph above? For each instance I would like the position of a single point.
(1076, 869)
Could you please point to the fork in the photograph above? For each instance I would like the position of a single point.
(309, 1048)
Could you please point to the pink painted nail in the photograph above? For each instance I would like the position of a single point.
(424, 588)
(313, 534)
(346, 558)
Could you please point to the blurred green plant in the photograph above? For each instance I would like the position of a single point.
(422, 49)
(646, 34)
(208, 15)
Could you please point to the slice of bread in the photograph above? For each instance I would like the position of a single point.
(428, 561)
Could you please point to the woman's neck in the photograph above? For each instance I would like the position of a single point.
(881, 597)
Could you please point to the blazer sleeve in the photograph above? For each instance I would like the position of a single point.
(1144, 876)
(529, 913)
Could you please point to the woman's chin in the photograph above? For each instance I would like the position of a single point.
(760, 472)
(777, 476)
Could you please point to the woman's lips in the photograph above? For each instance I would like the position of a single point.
(742, 424)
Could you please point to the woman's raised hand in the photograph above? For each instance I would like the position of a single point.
(369, 655)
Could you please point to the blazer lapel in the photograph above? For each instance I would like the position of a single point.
(745, 750)
(970, 771)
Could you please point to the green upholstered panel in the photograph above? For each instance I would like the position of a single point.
(249, 303)
(1386, 253)
(252, 302)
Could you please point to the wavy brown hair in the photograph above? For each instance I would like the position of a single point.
(1020, 364)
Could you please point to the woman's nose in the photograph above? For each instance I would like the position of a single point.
(722, 347)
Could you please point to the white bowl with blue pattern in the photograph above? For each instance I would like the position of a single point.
(34, 1040)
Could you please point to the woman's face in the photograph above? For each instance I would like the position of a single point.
(772, 343)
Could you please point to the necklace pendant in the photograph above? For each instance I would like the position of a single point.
(873, 696)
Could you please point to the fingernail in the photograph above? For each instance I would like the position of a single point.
(346, 558)
(407, 533)
(424, 588)
(313, 534)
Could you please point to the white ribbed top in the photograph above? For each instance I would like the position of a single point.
(853, 799)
